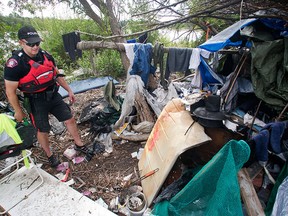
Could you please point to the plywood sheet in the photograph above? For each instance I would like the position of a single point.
(169, 138)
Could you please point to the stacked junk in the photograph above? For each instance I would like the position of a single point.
(219, 143)
(220, 147)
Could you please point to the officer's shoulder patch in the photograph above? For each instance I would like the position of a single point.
(11, 63)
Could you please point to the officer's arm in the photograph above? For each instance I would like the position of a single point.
(62, 82)
(11, 87)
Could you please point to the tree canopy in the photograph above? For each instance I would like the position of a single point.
(114, 17)
(155, 14)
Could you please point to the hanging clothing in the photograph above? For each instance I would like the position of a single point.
(195, 57)
(177, 61)
(70, 41)
(142, 62)
(194, 64)
(129, 49)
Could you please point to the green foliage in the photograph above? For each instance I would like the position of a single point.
(108, 62)
(8, 38)
(52, 30)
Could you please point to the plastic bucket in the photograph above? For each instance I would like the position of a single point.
(137, 204)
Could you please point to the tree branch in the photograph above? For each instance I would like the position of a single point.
(170, 23)
(89, 11)
(158, 9)
(170, 8)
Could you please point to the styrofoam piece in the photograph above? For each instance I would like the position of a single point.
(70, 153)
(52, 198)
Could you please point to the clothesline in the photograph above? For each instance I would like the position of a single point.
(86, 45)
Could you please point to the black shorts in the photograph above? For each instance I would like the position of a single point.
(41, 108)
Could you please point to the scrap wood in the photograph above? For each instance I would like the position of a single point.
(280, 115)
(143, 110)
(82, 182)
(133, 138)
(249, 195)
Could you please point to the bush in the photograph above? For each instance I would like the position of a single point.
(108, 62)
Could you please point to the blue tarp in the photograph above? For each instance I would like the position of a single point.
(207, 74)
(231, 37)
(80, 86)
(222, 39)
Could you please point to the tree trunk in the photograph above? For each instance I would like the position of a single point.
(143, 110)
(115, 28)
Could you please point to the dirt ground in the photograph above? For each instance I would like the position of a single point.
(103, 175)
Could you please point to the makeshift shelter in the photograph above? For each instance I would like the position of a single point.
(266, 39)
(247, 69)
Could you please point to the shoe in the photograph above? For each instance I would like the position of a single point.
(53, 160)
(84, 149)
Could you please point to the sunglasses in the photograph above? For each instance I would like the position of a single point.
(32, 44)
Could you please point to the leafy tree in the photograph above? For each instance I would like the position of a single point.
(150, 16)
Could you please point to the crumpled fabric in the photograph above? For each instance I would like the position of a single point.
(269, 138)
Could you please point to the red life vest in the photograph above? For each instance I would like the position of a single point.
(39, 78)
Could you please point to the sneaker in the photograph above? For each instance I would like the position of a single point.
(84, 149)
(53, 160)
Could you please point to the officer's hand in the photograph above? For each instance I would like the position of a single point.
(19, 116)
(72, 98)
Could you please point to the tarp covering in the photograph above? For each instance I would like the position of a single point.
(214, 190)
(269, 71)
(223, 39)
(80, 86)
(267, 40)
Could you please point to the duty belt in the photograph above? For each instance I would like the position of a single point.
(47, 95)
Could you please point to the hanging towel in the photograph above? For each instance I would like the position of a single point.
(129, 49)
(70, 41)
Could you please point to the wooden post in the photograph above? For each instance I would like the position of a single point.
(93, 65)
(248, 193)
(86, 45)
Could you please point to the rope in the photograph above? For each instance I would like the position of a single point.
(94, 35)
(241, 8)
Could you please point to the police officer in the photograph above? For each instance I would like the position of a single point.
(33, 71)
